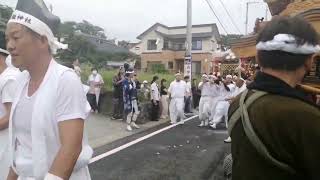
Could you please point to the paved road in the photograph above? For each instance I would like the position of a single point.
(185, 152)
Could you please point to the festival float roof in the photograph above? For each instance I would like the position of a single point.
(309, 9)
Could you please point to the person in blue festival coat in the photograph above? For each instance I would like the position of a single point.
(130, 100)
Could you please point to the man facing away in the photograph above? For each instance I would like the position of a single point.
(283, 141)
(177, 91)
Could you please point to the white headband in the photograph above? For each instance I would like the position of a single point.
(4, 51)
(39, 27)
(287, 43)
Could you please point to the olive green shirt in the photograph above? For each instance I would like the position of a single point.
(290, 129)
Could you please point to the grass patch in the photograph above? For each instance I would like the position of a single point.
(109, 74)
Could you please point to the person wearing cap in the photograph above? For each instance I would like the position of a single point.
(205, 101)
(46, 128)
(283, 141)
(177, 91)
(188, 96)
(8, 86)
(155, 99)
(117, 95)
(95, 82)
(130, 100)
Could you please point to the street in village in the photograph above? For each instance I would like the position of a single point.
(158, 150)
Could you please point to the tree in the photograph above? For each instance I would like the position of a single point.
(5, 14)
(227, 39)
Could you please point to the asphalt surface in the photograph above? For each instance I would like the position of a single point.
(185, 152)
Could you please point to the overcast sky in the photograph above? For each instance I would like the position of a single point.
(126, 19)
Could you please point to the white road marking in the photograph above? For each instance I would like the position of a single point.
(113, 151)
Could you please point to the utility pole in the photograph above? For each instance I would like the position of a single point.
(267, 11)
(188, 55)
(247, 15)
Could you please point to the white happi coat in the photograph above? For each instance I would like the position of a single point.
(6, 76)
(205, 100)
(44, 126)
(223, 106)
(177, 91)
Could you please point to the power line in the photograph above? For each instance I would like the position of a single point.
(230, 16)
(210, 5)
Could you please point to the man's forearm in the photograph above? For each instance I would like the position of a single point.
(4, 123)
(12, 175)
(65, 161)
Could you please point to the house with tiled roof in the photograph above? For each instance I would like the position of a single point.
(166, 46)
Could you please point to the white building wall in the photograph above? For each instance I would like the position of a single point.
(151, 36)
(194, 30)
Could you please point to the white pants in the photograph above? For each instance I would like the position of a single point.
(4, 154)
(204, 108)
(213, 106)
(82, 174)
(164, 104)
(133, 115)
(176, 109)
(97, 93)
(220, 112)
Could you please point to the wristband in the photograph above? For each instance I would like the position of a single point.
(52, 177)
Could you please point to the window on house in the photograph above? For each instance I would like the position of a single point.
(197, 45)
(170, 65)
(166, 44)
(152, 44)
(181, 47)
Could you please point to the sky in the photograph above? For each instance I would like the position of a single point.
(126, 19)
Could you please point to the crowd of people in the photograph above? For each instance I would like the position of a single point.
(43, 105)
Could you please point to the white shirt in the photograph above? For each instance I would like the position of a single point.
(239, 90)
(214, 90)
(77, 69)
(69, 105)
(92, 80)
(22, 127)
(7, 89)
(188, 89)
(178, 89)
(155, 94)
(205, 88)
(224, 94)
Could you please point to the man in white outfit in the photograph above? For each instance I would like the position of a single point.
(177, 91)
(205, 100)
(46, 127)
(216, 86)
(223, 106)
(8, 87)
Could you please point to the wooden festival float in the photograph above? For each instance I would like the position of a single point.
(244, 48)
